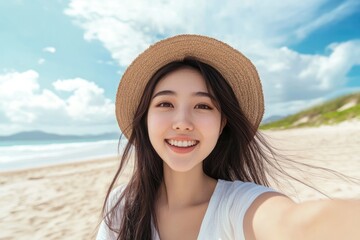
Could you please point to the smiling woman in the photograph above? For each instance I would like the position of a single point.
(190, 107)
(183, 122)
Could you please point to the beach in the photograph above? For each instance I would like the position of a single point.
(64, 201)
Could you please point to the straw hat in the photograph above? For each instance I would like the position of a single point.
(238, 71)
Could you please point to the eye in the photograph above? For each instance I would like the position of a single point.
(203, 106)
(164, 105)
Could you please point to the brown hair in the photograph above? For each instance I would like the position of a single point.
(241, 153)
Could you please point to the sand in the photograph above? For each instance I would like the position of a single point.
(64, 201)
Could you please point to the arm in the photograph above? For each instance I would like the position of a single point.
(274, 216)
(326, 219)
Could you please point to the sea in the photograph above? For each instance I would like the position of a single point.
(29, 154)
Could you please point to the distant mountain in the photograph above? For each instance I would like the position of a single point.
(44, 136)
(332, 112)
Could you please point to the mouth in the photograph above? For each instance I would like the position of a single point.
(182, 143)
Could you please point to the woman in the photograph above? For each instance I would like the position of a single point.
(190, 107)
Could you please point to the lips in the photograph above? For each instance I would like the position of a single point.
(181, 143)
(181, 146)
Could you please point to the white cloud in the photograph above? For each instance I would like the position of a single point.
(41, 61)
(260, 29)
(289, 76)
(24, 105)
(128, 27)
(15, 85)
(87, 102)
(49, 49)
(336, 14)
(19, 94)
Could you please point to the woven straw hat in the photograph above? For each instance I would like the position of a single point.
(238, 71)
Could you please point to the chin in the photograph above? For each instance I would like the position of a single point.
(182, 168)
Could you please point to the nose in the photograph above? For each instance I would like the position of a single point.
(182, 122)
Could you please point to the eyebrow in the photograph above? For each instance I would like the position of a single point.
(172, 93)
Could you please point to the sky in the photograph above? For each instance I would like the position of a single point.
(61, 61)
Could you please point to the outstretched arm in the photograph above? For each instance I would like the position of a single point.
(274, 216)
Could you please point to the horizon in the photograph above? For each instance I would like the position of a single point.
(63, 59)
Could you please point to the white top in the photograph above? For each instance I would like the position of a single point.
(224, 216)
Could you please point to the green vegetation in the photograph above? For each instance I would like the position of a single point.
(332, 112)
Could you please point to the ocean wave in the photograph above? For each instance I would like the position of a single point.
(24, 156)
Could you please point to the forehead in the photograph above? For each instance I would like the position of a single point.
(184, 79)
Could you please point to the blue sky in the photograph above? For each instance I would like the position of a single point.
(61, 61)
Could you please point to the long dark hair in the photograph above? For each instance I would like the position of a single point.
(241, 153)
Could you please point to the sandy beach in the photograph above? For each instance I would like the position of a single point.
(64, 201)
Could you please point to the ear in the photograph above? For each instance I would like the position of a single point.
(223, 124)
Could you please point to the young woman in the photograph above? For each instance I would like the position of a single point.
(190, 107)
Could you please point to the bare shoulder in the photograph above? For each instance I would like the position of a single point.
(265, 217)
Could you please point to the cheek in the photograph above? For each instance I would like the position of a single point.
(156, 123)
(210, 124)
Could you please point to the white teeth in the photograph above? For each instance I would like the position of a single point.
(181, 143)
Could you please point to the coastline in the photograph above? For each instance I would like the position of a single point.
(53, 153)
(64, 201)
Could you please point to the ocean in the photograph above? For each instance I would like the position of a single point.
(22, 155)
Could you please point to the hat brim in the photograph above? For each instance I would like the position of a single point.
(237, 70)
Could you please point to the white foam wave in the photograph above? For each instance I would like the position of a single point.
(23, 156)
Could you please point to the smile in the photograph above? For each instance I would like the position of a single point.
(181, 144)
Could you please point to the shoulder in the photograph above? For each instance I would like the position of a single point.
(236, 197)
(256, 211)
(249, 206)
(242, 192)
(265, 215)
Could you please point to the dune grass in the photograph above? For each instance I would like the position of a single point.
(327, 113)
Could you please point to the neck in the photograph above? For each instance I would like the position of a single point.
(185, 189)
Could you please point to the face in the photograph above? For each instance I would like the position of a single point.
(183, 121)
